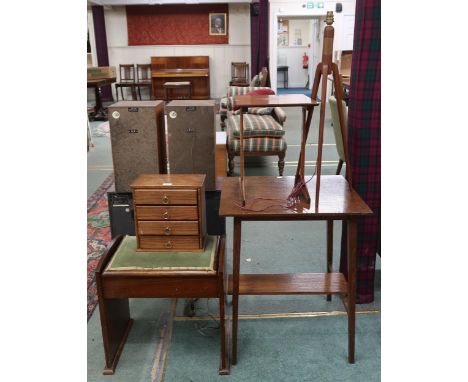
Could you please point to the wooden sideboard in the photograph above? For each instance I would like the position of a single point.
(195, 69)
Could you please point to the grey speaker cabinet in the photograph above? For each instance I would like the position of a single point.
(137, 132)
(191, 138)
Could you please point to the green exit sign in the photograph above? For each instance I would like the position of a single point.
(310, 5)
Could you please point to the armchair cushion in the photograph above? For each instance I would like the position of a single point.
(255, 81)
(255, 126)
(263, 91)
(264, 144)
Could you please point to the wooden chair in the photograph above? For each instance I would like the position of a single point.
(263, 77)
(127, 80)
(259, 81)
(263, 130)
(143, 74)
(239, 74)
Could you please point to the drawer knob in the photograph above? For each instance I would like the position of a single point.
(168, 244)
(167, 230)
(166, 215)
(165, 199)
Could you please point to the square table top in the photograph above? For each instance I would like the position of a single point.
(274, 100)
(266, 199)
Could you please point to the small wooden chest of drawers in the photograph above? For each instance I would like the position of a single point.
(169, 212)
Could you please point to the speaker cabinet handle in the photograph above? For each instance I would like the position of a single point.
(166, 215)
(168, 244)
(165, 199)
(167, 230)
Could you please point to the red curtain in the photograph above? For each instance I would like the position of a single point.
(364, 141)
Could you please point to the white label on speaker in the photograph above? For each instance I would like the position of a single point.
(116, 115)
(167, 184)
(173, 114)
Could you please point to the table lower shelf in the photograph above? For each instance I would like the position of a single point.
(291, 283)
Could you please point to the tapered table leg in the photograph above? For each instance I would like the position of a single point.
(329, 250)
(235, 285)
(352, 244)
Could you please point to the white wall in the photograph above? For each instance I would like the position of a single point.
(284, 8)
(221, 56)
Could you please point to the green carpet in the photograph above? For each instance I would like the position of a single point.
(283, 349)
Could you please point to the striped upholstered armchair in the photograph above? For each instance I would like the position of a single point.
(263, 130)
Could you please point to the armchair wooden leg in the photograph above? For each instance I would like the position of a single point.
(340, 164)
(231, 163)
(281, 162)
(223, 123)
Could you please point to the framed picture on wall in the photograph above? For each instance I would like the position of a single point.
(218, 24)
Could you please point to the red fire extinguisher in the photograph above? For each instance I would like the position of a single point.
(305, 61)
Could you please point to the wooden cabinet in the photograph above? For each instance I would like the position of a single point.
(169, 212)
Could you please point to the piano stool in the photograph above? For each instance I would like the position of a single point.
(185, 85)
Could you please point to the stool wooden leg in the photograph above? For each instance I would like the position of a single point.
(231, 157)
(121, 92)
(115, 324)
(223, 123)
(281, 162)
(139, 93)
(117, 93)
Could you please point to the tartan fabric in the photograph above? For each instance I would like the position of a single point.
(241, 90)
(255, 126)
(276, 145)
(260, 110)
(280, 114)
(259, 37)
(256, 110)
(364, 141)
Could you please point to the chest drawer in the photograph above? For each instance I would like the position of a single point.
(166, 213)
(168, 228)
(165, 197)
(168, 242)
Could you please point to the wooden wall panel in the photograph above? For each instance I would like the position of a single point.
(173, 24)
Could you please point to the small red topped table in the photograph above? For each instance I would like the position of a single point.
(243, 102)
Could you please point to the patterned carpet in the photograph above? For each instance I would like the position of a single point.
(99, 235)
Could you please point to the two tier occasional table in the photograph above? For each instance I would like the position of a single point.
(337, 202)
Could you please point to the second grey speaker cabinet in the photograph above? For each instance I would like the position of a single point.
(191, 138)
(137, 132)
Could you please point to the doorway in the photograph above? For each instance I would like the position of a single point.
(298, 42)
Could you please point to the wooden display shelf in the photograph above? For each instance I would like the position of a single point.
(291, 284)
